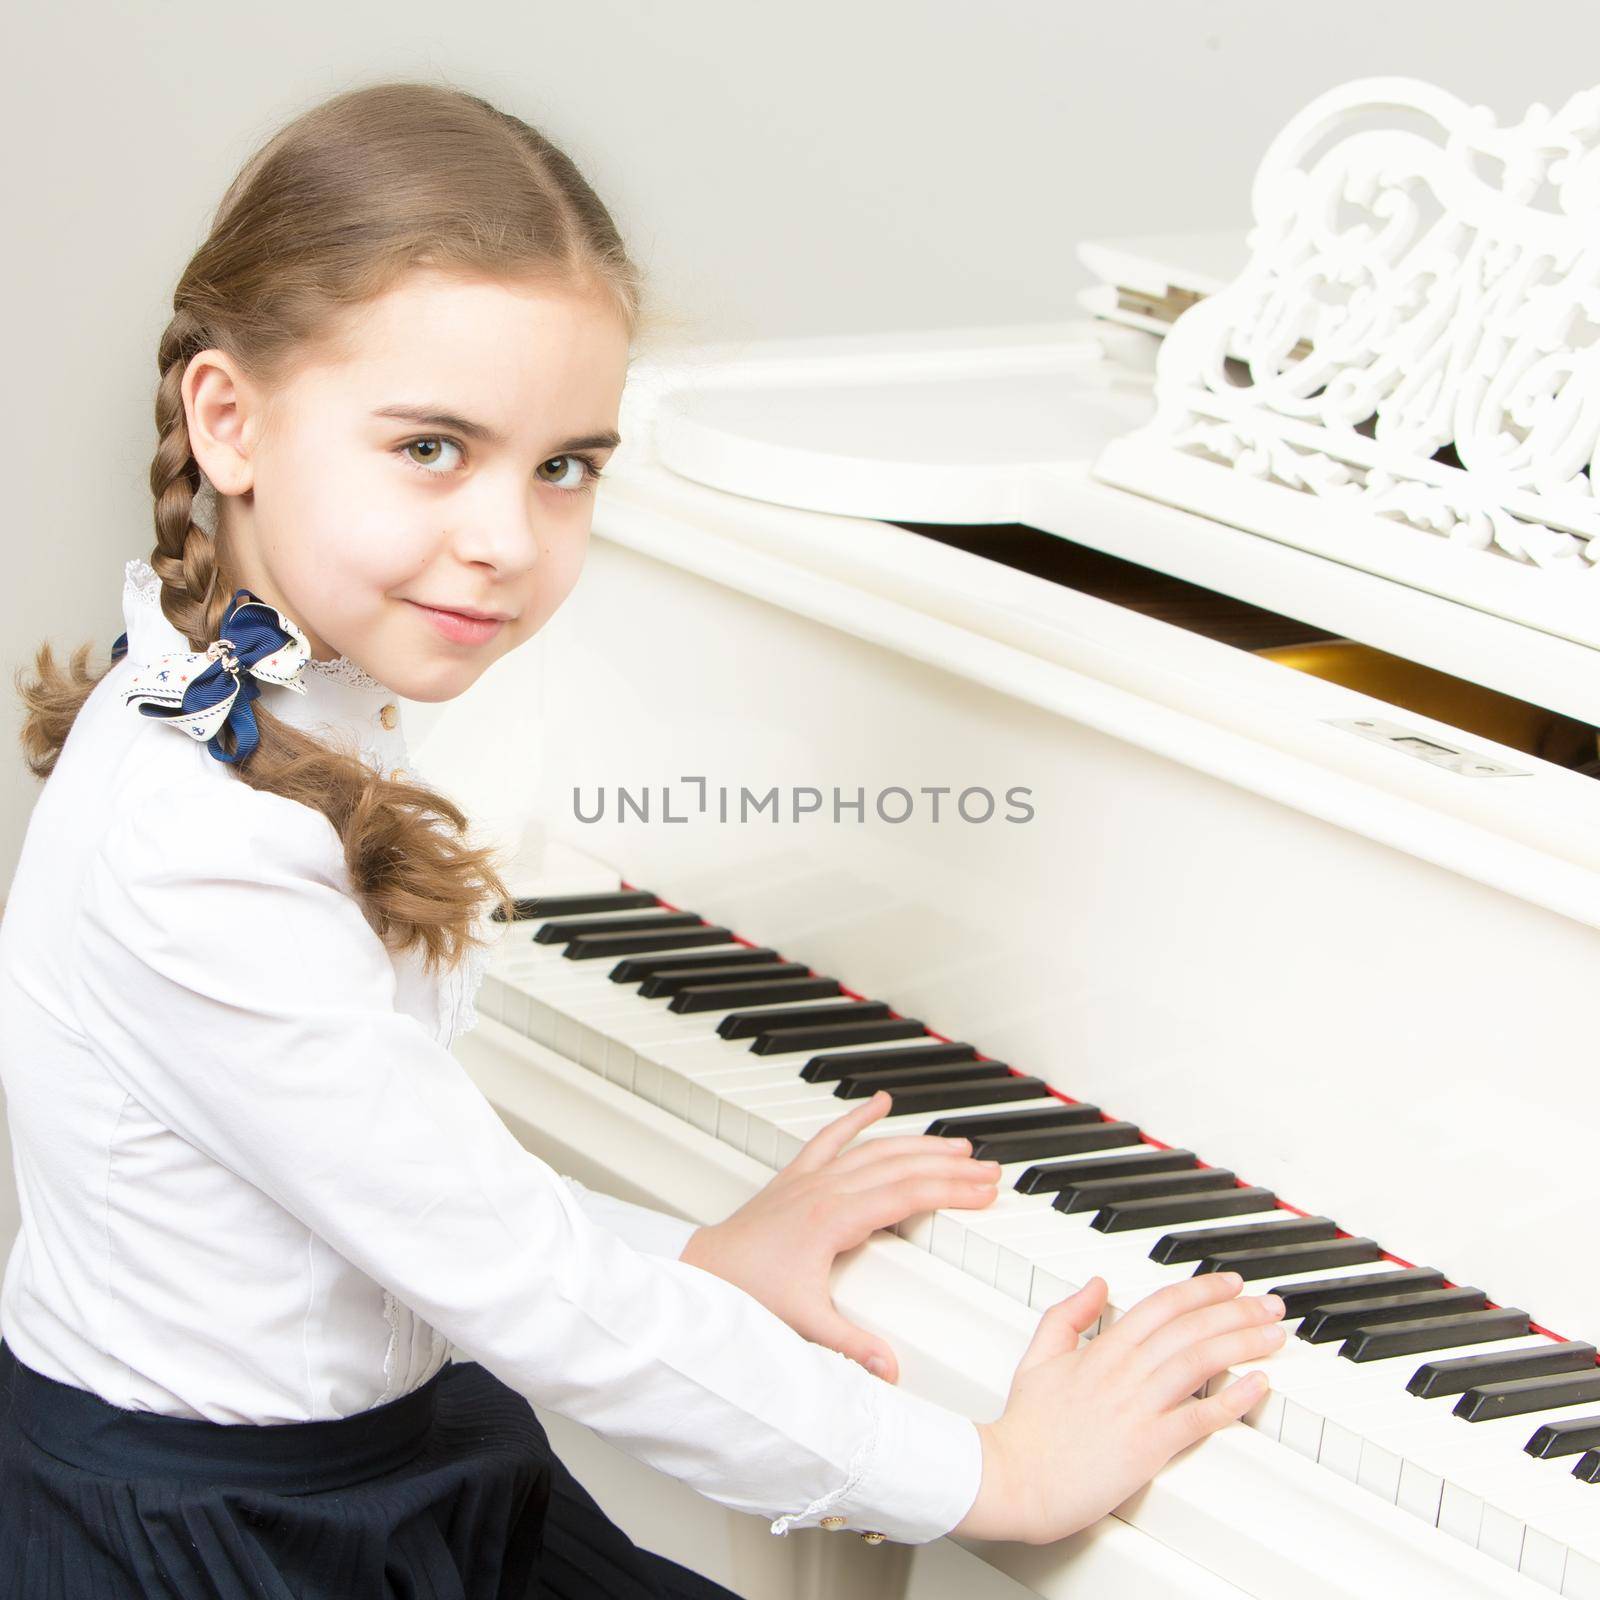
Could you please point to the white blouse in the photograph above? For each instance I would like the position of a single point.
(256, 1186)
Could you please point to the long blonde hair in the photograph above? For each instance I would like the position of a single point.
(329, 213)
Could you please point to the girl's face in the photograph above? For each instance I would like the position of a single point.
(368, 527)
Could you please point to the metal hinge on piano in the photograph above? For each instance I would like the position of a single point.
(1242, 914)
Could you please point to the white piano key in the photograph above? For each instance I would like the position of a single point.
(1580, 1577)
(1573, 1533)
(1543, 1559)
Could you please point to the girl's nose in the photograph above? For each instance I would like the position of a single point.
(509, 544)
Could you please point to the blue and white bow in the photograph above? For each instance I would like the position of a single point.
(201, 692)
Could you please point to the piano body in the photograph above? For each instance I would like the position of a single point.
(1192, 708)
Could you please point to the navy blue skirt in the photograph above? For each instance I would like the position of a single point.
(449, 1493)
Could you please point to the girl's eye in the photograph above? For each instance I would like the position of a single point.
(586, 473)
(433, 444)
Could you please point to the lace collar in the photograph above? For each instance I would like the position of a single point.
(340, 695)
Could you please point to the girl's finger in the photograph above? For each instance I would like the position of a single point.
(898, 1144)
(827, 1326)
(957, 1168)
(1176, 1299)
(1197, 1364)
(1064, 1324)
(882, 1207)
(1194, 1419)
(827, 1142)
(1210, 1322)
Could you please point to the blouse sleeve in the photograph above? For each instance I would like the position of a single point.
(659, 1233)
(231, 984)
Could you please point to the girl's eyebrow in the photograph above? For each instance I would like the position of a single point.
(435, 417)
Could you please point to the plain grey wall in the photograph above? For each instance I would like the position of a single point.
(833, 167)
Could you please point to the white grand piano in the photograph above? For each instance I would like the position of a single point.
(1173, 733)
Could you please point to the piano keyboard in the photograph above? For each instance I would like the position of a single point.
(1426, 1393)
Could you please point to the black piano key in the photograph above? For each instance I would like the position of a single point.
(592, 946)
(1300, 1298)
(1057, 1116)
(636, 968)
(1130, 1214)
(787, 1041)
(765, 991)
(561, 932)
(669, 983)
(829, 1069)
(1059, 1174)
(1457, 1374)
(1434, 1333)
(1241, 1236)
(747, 1024)
(924, 1072)
(574, 905)
(1567, 1438)
(894, 1079)
(1252, 1265)
(1070, 1140)
(1517, 1397)
(980, 1092)
(1089, 1194)
(1588, 1467)
(1338, 1319)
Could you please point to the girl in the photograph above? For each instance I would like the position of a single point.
(285, 1284)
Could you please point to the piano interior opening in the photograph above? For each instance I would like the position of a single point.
(1537, 731)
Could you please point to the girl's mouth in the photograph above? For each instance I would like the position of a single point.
(458, 628)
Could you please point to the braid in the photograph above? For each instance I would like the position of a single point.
(185, 556)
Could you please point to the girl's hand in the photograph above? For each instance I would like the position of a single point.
(780, 1245)
(1084, 1427)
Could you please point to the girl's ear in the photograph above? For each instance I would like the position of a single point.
(223, 410)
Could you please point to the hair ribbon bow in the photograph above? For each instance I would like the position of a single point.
(202, 692)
